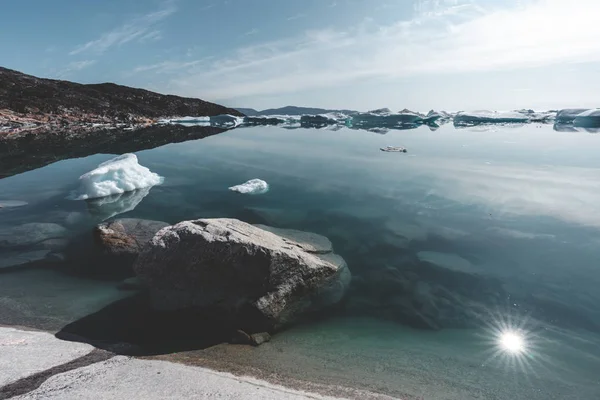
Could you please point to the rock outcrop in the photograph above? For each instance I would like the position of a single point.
(259, 277)
(123, 239)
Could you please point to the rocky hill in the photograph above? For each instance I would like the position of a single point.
(26, 99)
(291, 110)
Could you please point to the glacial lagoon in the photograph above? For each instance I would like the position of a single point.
(474, 255)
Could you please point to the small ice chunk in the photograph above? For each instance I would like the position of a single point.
(393, 149)
(253, 186)
(12, 203)
(118, 175)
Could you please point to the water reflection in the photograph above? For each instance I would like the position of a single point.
(107, 207)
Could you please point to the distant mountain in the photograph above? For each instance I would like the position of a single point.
(291, 110)
(250, 112)
(31, 99)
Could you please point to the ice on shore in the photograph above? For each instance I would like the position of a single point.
(253, 186)
(118, 175)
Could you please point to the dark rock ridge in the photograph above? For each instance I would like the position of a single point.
(63, 102)
(30, 150)
(259, 277)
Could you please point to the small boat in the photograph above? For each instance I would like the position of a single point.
(393, 149)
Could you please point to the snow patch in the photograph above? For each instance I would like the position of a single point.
(118, 175)
(253, 186)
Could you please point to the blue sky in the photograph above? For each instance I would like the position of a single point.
(362, 54)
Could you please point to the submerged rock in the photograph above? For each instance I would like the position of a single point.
(30, 234)
(259, 279)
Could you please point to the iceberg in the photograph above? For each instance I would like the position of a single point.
(568, 115)
(253, 186)
(118, 175)
(220, 121)
(385, 120)
(588, 119)
(489, 117)
(262, 121)
(393, 149)
(226, 121)
(12, 203)
(316, 121)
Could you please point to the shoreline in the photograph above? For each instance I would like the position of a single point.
(69, 361)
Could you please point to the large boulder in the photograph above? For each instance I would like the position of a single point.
(262, 278)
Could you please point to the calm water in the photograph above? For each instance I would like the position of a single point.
(509, 217)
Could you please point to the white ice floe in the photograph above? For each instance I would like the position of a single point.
(185, 120)
(118, 175)
(393, 149)
(12, 203)
(253, 186)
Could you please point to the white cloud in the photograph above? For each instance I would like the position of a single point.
(445, 36)
(79, 65)
(296, 16)
(137, 29)
(74, 66)
(251, 32)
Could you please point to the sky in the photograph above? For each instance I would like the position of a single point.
(360, 54)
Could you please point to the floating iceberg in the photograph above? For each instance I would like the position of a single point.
(568, 115)
(316, 121)
(588, 119)
(489, 117)
(118, 175)
(393, 149)
(226, 121)
(262, 121)
(186, 120)
(384, 120)
(12, 203)
(253, 186)
(220, 121)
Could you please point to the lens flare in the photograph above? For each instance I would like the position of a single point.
(512, 342)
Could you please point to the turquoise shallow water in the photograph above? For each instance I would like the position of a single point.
(510, 215)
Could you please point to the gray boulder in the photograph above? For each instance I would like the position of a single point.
(264, 275)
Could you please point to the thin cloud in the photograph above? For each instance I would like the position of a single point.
(75, 66)
(139, 28)
(151, 36)
(454, 36)
(294, 17)
(251, 32)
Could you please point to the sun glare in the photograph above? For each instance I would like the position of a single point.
(512, 342)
